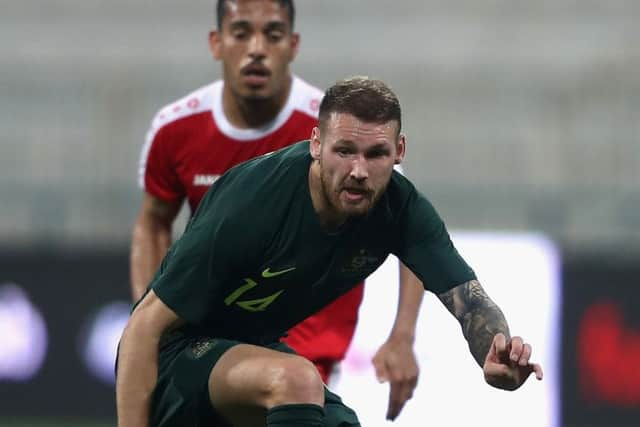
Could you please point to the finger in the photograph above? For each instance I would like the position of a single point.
(399, 393)
(516, 348)
(537, 369)
(500, 343)
(382, 374)
(392, 409)
(499, 347)
(528, 370)
(525, 355)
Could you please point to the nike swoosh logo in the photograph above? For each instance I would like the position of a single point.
(267, 273)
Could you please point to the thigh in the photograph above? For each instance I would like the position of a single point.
(243, 383)
(181, 396)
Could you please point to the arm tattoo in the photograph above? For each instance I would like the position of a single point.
(481, 319)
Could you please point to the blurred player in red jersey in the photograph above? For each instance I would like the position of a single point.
(258, 107)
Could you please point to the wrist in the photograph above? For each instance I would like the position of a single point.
(407, 337)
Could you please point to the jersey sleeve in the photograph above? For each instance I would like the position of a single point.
(181, 282)
(157, 175)
(426, 247)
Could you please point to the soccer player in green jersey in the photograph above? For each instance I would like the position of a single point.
(202, 347)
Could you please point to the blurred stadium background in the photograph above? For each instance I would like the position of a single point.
(521, 117)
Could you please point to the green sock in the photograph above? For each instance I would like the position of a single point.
(295, 415)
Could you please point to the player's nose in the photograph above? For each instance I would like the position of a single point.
(257, 46)
(359, 170)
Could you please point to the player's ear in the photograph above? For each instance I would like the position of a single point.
(214, 43)
(401, 146)
(295, 43)
(314, 144)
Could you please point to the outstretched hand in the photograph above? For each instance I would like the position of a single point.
(396, 363)
(507, 364)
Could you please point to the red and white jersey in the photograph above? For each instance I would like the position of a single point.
(191, 142)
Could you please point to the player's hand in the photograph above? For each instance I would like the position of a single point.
(396, 363)
(507, 364)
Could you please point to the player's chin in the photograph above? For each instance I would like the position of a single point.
(257, 93)
(357, 209)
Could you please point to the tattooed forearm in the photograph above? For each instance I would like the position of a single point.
(481, 319)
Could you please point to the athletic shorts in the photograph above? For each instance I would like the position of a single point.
(181, 395)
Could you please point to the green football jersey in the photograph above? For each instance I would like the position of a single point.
(254, 259)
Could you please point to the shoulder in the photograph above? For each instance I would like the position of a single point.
(305, 98)
(175, 116)
(406, 200)
(265, 178)
(274, 169)
(400, 188)
(199, 101)
(172, 119)
(266, 185)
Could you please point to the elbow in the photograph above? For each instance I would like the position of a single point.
(147, 225)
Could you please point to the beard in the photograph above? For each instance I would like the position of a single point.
(331, 196)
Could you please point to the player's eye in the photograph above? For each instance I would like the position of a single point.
(275, 36)
(240, 35)
(373, 154)
(342, 151)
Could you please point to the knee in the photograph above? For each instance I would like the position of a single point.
(293, 380)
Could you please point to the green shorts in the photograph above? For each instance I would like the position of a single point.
(181, 396)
